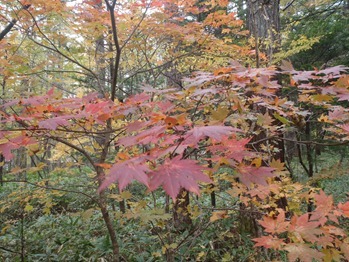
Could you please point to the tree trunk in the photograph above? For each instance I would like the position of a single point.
(263, 22)
(181, 216)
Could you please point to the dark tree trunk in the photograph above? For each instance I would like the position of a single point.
(263, 22)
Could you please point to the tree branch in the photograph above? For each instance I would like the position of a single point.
(12, 23)
(52, 188)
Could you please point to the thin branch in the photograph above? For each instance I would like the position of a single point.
(55, 71)
(304, 142)
(288, 5)
(55, 49)
(9, 250)
(12, 23)
(135, 28)
(52, 188)
(65, 130)
(82, 151)
(111, 8)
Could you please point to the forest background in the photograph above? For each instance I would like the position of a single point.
(163, 130)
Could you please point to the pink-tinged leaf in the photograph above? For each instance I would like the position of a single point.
(232, 148)
(5, 150)
(200, 92)
(97, 108)
(201, 78)
(139, 98)
(125, 172)
(343, 97)
(32, 101)
(14, 143)
(255, 175)
(345, 127)
(335, 70)
(269, 242)
(175, 174)
(215, 132)
(90, 97)
(51, 91)
(302, 252)
(337, 113)
(135, 126)
(53, 123)
(176, 149)
(147, 136)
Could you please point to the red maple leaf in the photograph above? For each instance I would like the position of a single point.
(13, 143)
(302, 252)
(305, 229)
(275, 226)
(176, 173)
(254, 175)
(125, 172)
(324, 206)
(215, 132)
(147, 136)
(99, 107)
(232, 148)
(269, 242)
(344, 208)
(53, 123)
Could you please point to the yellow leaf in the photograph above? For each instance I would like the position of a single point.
(281, 119)
(28, 208)
(115, 196)
(217, 215)
(220, 113)
(126, 195)
(17, 170)
(46, 210)
(324, 119)
(331, 254)
(322, 98)
(264, 120)
(343, 81)
(34, 148)
(277, 164)
(257, 162)
(87, 214)
(4, 229)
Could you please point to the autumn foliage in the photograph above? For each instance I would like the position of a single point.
(221, 121)
(166, 138)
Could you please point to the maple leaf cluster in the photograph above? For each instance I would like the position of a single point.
(300, 234)
(181, 138)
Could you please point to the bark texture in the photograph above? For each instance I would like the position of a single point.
(263, 21)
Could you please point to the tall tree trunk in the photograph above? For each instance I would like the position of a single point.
(263, 21)
(2, 158)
